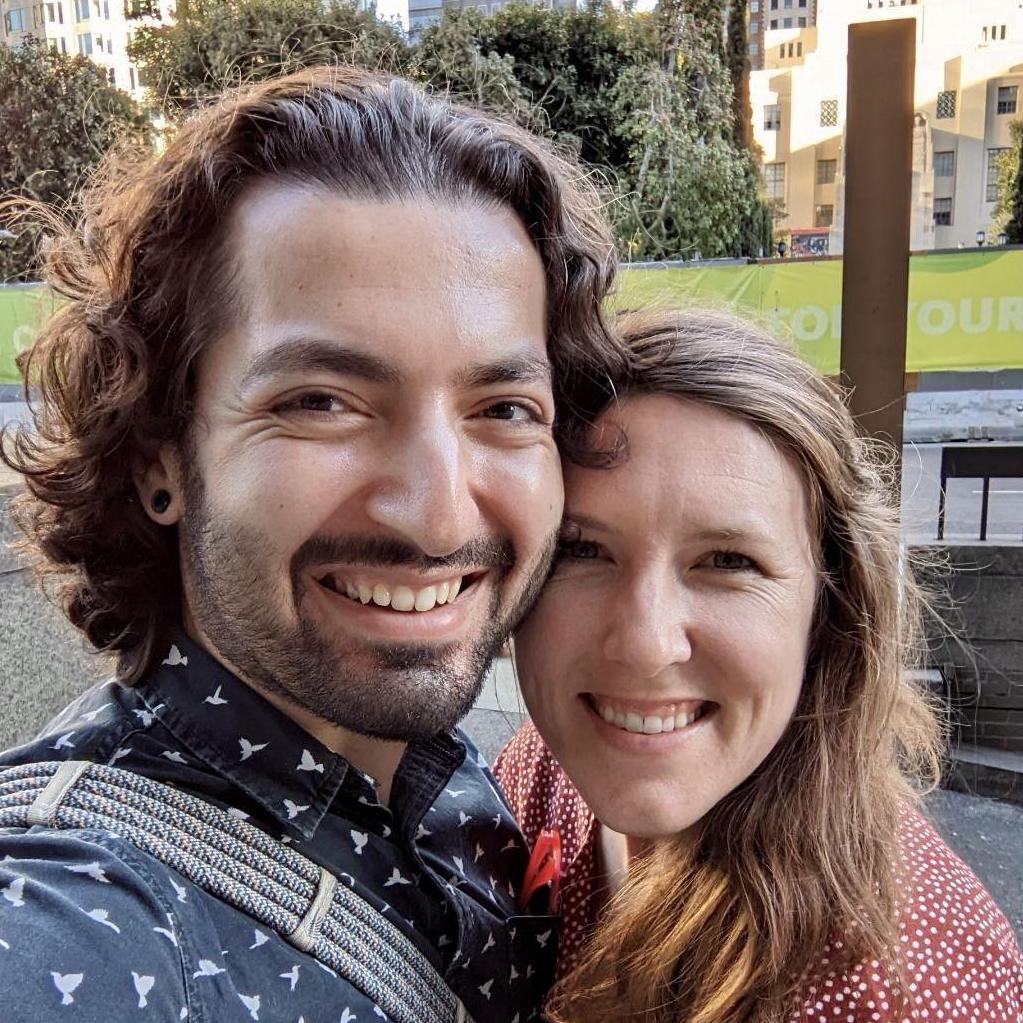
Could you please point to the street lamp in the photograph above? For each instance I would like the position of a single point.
(782, 249)
(981, 238)
(1003, 239)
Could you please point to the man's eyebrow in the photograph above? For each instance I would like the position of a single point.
(515, 369)
(588, 522)
(305, 354)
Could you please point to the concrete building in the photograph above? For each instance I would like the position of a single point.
(98, 29)
(969, 80)
(415, 15)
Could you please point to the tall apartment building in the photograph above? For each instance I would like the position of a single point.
(765, 16)
(98, 29)
(415, 15)
(969, 77)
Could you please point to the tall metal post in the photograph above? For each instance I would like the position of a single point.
(878, 204)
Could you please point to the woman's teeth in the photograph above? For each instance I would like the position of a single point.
(398, 598)
(649, 724)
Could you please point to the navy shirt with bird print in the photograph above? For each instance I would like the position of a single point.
(94, 929)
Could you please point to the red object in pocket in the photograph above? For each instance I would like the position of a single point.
(544, 869)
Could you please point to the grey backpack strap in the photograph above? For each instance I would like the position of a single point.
(243, 866)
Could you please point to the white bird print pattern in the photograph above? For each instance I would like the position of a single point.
(248, 748)
(93, 870)
(215, 699)
(102, 916)
(396, 878)
(179, 890)
(292, 976)
(308, 763)
(14, 893)
(67, 983)
(64, 742)
(174, 659)
(174, 756)
(294, 809)
(261, 939)
(251, 1002)
(143, 985)
(359, 839)
(347, 1016)
(207, 968)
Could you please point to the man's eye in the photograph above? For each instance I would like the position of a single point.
(581, 550)
(513, 411)
(313, 401)
(732, 561)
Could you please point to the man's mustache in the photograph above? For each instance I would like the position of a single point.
(478, 553)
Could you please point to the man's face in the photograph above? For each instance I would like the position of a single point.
(372, 489)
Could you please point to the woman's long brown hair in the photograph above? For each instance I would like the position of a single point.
(726, 924)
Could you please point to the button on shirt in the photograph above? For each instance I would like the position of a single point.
(94, 928)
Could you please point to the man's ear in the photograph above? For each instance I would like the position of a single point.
(158, 482)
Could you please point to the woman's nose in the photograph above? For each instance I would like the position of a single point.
(651, 626)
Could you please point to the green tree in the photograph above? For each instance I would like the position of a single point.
(217, 43)
(58, 117)
(1008, 216)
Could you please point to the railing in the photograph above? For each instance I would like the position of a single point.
(978, 461)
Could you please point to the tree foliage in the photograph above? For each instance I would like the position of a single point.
(1008, 216)
(648, 101)
(218, 43)
(58, 117)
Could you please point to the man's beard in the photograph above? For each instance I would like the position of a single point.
(398, 692)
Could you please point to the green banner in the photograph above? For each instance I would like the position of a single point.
(965, 308)
(22, 310)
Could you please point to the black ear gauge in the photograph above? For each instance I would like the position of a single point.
(160, 501)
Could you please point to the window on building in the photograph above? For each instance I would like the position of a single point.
(81, 10)
(802, 24)
(983, 34)
(774, 5)
(99, 43)
(754, 49)
(943, 212)
(799, 49)
(16, 20)
(946, 104)
(754, 7)
(772, 117)
(993, 157)
(792, 50)
(774, 180)
(111, 77)
(781, 51)
(51, 13)
(829, 113)
(774, 23)
(786, 3)
(1007, 99)
(85, 43)
(754, 27)
(131, 77)
(823, 216)
(945, 164)
(786, 22)
(826, 171)
(106, 13)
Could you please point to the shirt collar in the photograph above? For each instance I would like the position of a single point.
(241, 736)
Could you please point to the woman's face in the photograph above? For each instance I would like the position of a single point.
(665, 657)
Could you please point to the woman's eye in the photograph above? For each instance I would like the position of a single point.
(513, 411)
(581, 550)
(313, 401)
(731, 561)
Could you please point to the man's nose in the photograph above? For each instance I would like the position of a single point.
(426, 491)
(651, 627)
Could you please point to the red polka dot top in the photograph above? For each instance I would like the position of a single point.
(962, 956)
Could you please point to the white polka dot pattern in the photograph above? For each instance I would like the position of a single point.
(960, 956)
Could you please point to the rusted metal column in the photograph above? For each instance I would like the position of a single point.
(878, 204)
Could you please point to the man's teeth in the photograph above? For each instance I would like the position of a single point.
(650, 724)
(400, 598)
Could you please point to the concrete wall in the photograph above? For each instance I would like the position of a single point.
(982, 659)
